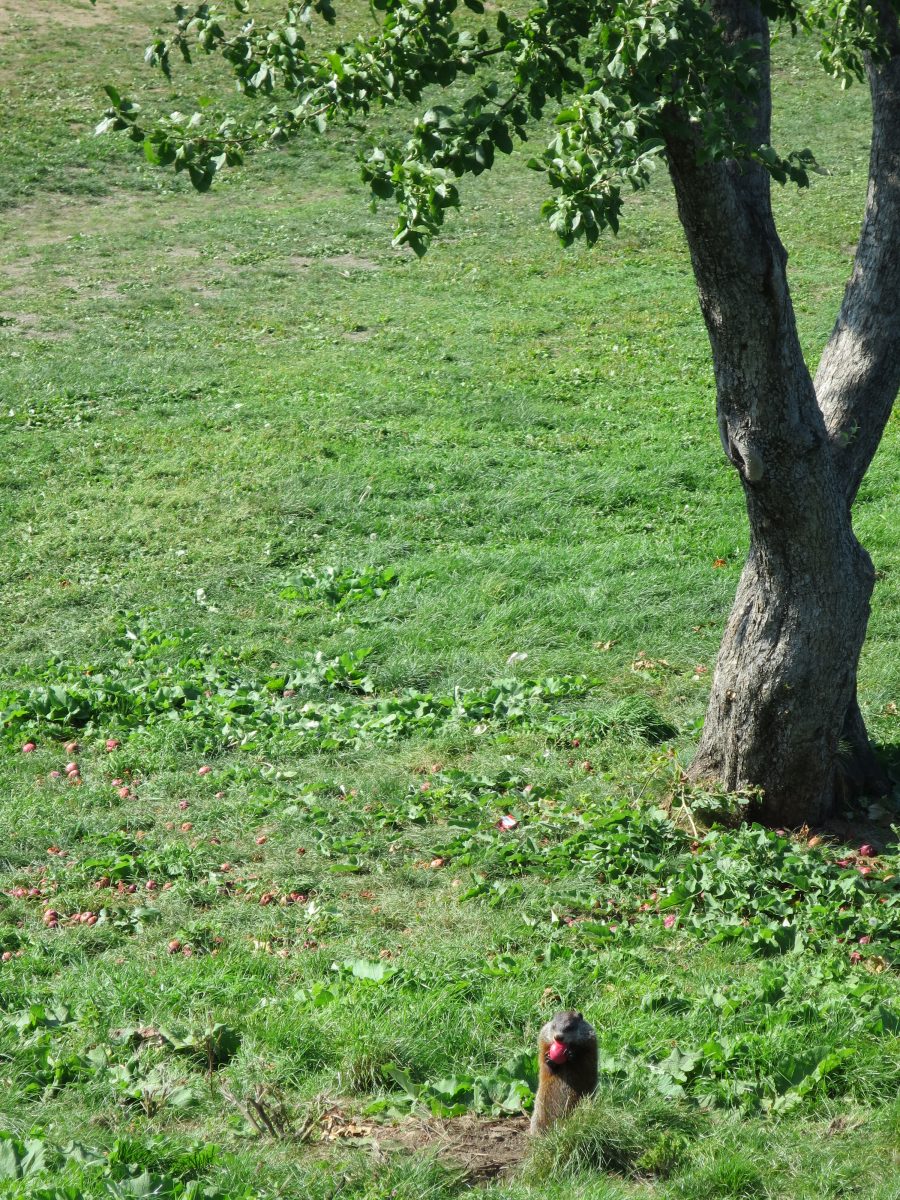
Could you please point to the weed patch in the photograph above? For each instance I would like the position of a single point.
(217, 706)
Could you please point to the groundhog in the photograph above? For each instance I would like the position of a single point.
(567, 1057)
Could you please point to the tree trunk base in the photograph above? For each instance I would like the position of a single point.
(858, 772)
(783, 716)
(857, 775)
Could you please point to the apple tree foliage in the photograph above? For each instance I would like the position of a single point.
(612, 76)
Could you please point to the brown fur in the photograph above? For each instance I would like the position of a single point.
(561, 1086)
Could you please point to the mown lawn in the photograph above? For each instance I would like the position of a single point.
(329, 559)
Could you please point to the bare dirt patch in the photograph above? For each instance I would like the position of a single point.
(17, 270)
(28, 325)
(351, 262)
(47, 221)
(71, 14)
(50, 221)
(16, 279)
(480, 1147)
(343, 262)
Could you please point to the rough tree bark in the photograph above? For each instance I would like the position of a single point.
(783, 714)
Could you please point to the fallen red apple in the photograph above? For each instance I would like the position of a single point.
(867, 851)
(112, 744)
(558, 1053)
(71, 747)
(204, 771)
(72, 768)
(29, 748)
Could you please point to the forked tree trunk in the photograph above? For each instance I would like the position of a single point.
(783, 715)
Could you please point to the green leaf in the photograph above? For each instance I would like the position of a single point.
(402, 1080)
(375, 972)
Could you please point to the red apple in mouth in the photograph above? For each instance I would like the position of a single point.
(558, 1053)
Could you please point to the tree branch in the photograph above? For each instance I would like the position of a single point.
(859, 372)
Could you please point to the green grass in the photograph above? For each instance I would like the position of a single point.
(245, 441)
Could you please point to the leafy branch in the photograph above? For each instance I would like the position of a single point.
(618, 72)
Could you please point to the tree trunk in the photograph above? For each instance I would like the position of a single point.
(783, 715)
(785, 679)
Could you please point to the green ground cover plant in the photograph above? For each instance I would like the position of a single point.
(360, 613)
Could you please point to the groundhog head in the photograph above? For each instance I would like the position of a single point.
(568, 1034)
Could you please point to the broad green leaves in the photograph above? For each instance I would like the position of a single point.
(340, 588)
(848, 33)
(21, 1157)
(508, 1089)
(319, 704)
